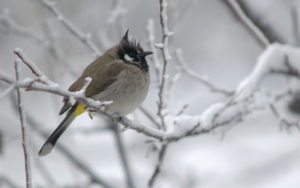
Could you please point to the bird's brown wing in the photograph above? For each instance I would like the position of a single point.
(102, 73)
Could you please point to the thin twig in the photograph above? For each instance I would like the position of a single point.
(257, 33)
(34, 69)
(149, 116)
(7, 91)
(42, 167)
(15, 27)
(5, 181)
(35, 126)
(83, 37)
(24, 131)
(201, 79)
(157, 170)
(295, 24)
(165, 56)
(123, 155)
(151, 42)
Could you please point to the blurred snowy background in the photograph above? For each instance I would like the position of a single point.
(255, 153)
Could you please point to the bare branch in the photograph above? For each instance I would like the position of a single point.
(35, 126)
(7, 91)
(123, 155)
(157, 170)
(24, 132)
(149, 116)
(295, 24)
(250, 25)
(34, 69)
(5, 181)
(15, 27)
(83, 37)
(201, 79)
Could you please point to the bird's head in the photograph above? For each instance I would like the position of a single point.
(129, 51)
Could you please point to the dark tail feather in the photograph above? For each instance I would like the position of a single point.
(50, 142)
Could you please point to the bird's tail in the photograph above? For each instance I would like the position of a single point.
(75, 111)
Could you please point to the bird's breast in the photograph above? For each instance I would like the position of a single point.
(127, 92)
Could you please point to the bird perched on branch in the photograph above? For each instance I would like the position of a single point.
(120, 75)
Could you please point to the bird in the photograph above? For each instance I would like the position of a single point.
(120, 75)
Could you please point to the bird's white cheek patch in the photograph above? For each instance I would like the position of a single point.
(128, 58)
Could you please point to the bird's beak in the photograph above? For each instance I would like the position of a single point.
(144, 54)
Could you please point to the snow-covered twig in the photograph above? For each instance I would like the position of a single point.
(88, 81)
(276, 58)
(151, 41)
(165, 56)
(23, 130)
(257, 33)
(83, 37)
(272, 58)
(201, 79)
(34, 69)
(157, 170)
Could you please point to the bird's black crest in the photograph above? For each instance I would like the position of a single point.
(134, 50)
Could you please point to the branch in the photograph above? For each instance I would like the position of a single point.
(201, 79)
(83, 37)
(295, 24)
(24, 132)
(7, 91)
(166, 56)
(185, 125)
(149, 116)
(123, 155)
(249, 24)
(157, 170)
(5, 181)
(151, 43)
(15, 27)
(35, 126)
(34, 69)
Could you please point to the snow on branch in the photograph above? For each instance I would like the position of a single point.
(34, 69)
(277, 58)
(165, 56)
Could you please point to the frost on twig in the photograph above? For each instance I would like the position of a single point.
(279, 59)
(165, 58)
(154, 57)
(25, 143)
